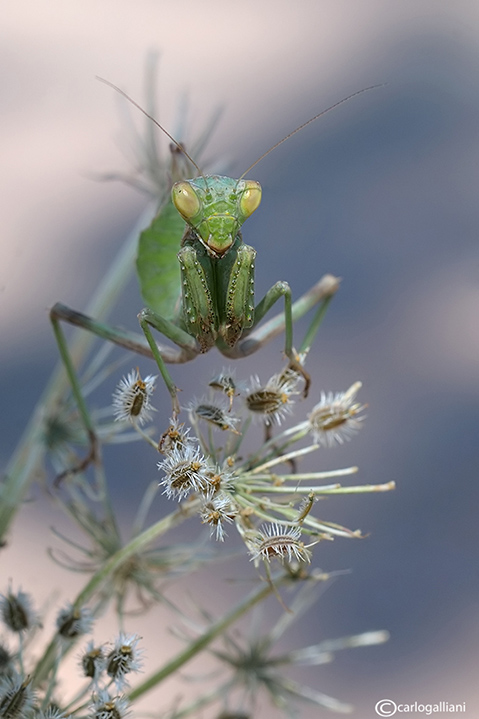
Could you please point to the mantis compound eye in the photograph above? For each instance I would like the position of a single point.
(250, 197)
(185, 199)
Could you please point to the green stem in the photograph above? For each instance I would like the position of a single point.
(199, 644)
(203, 701)
(329, 474)
(284, 458)
(78, 697)
(72, 376)
(26, 459)
(274, 448)
(356, 490)
(263, 489)
(53, 681)
(106, 570)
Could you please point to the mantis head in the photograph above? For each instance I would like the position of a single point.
(216, 207)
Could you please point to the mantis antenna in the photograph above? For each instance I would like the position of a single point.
(308, 122)
(150, 117)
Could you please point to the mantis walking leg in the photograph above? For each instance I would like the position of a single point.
(321, 293)
(127, 340)
(186, 342)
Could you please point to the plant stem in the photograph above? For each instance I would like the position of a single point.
(195, 647)
(106, 570)
(27, 457)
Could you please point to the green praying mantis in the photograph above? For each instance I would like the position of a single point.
(215, 283)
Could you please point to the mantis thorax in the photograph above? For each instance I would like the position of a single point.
(216, 207)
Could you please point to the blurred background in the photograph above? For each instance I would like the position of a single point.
(382, 192)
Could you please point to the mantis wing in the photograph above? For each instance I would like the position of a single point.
(157, 263)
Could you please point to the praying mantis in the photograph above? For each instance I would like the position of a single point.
(215, 293)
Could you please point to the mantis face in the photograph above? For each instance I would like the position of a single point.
(216, 207)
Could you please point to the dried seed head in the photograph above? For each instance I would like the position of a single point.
(218, 510)
(334, 419)
(278, 541)
(215, 415)
(225, 382)
(16, 611)
(221, 478)
(273, 400)
(73, 622)
(186, 470)
(123, 658)
(132, 398)
(16, 697)
(289, 374)
(175, 437)
(107, 707)
(92, 661)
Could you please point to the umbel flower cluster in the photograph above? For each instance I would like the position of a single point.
(262, 495)
(234, 460)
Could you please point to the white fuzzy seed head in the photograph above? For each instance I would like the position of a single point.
(277, 541)
(186, 470)
(225, 382)
(16, 611)
(16, 697)
(107, 707)
(73, 622)
(334, 419)
(175, 437)
(273, 401)
(132, 398)
(214, 414)
(217, 511)
(92, 661)
(123, 659)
